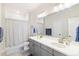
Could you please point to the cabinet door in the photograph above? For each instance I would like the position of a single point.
(37, 50)
(31, 46)
(47, 49)
(45, 53)
(34, 47)
(56, 53)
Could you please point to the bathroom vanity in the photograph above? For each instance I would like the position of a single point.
(37, 48)
(48, 46)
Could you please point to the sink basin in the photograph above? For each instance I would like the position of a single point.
(60, 45)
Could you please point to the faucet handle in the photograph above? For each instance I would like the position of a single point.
(68, 40)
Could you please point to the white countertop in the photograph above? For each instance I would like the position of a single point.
(69, 50)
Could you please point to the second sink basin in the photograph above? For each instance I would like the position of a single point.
(58, 45)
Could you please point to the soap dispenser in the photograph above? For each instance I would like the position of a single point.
(60, 39)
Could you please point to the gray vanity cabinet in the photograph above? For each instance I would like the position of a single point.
(34, 48)
(39, 49)
(31, 46)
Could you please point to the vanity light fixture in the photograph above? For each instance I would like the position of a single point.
(57, 8)
(43, 14)
(62, 6)
(68, 5)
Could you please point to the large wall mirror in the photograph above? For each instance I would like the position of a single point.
(63, 22)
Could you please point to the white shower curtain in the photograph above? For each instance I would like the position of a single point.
(16, 32)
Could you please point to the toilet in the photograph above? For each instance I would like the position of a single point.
(19, 50)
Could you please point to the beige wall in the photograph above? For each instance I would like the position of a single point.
(0, 14)
(73, 24)
(2, 44)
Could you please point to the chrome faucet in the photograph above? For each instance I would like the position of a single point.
(67, 40)
(64, 40)
(60, 40)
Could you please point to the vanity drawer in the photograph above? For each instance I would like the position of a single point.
(45, 53)
(47, 49)
(56, 53)
(36, 43)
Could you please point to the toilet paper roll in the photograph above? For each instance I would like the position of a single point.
(26, 48)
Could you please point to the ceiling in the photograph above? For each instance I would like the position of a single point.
(29, 7)
(22, 6)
